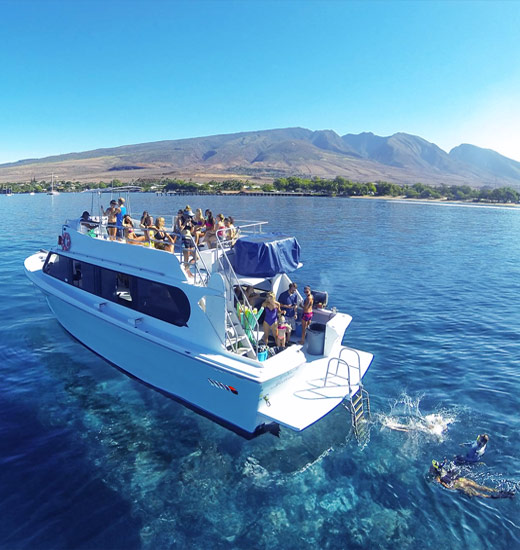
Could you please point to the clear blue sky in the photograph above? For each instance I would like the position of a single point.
(78, 75)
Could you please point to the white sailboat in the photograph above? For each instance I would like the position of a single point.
(52, 191)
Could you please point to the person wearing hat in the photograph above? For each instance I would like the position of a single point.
(187, 215)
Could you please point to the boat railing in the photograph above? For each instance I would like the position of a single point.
(340, 361)
(225, 267)
(249, 227)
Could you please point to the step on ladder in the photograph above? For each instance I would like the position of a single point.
(358, 406)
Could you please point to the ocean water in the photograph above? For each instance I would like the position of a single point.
(91, 459)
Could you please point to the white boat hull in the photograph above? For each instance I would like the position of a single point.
(173, 372)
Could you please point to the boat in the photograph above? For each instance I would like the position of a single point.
(52, 191)
(185, 326)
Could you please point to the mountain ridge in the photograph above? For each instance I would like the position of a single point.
(264, 154)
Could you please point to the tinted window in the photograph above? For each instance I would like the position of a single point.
(164, 302)
(59, 267)
(85, 276)
(158, 300)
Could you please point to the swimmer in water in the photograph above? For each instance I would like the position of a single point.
(475, 453)
(431, 423)
(451, 479)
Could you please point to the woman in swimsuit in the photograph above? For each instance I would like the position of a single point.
(451, 479)
(188, 246)
(271, 307)
(307, 312)
(161, 239)
(209, 236)
(220, 226)
(111, 212)
(130, 236)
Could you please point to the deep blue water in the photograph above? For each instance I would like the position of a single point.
(90, 458)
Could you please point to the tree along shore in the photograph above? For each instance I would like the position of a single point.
(338, 186)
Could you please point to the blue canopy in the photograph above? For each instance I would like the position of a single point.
(266, 254)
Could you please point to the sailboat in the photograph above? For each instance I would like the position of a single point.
(52, 192)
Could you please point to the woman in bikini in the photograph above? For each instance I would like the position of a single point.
(209, 235)
(130, 236)
(271, 308)
(111, 212)
(307, 312)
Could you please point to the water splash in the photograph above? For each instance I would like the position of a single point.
(406, 416)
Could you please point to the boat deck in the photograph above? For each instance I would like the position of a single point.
(311, 393)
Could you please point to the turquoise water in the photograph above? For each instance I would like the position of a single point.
(92, 459)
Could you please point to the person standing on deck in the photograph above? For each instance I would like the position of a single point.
(307, 312)
(120, 216)
(289, 302)
(111, 212)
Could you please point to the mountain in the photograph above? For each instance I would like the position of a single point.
(487, 160)
(263, 155)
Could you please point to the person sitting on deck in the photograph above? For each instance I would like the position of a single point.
(271, 308)
(210, 239)
(177, 223)
(147, 225)
(198, 220)
(130, 235)
(85, 221)
(231, 233)
(143, 218)
(161, 239)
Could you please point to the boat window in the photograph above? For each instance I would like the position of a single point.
(108, 284)
(59, 267)
(164, 302)
(158, 300)
(84, 276)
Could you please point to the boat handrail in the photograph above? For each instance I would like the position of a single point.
(226, 268)
(251, 226)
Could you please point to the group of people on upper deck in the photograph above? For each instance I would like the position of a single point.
(192, 228)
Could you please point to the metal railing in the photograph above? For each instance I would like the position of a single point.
(340, 361)
(252, 326)
(202, 275)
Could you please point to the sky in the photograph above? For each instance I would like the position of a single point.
(79, 75)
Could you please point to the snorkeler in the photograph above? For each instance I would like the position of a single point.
(475, 453)
(451, 480)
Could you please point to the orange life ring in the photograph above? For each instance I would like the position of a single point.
(65, 243)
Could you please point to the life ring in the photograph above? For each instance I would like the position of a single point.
(65, 242)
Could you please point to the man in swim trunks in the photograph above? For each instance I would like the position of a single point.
(307, 312)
